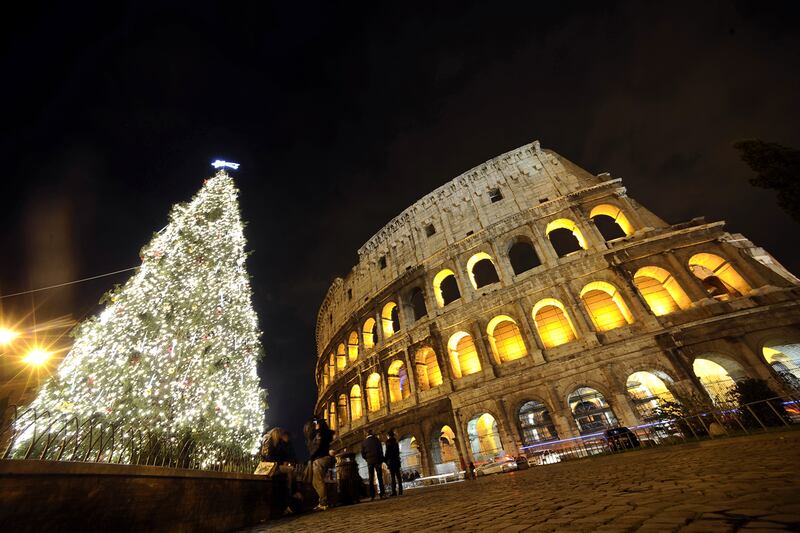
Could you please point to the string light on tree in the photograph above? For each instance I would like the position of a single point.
(176, 347)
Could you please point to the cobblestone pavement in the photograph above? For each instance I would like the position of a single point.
(746, 483)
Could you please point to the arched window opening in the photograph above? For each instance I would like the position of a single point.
(522, 257)
(355, 402)
(506, 339)
(660, 290)
(718, 377)
(565, 237)
(418, 304)
(343, 418)
(649, 394)
(390, 320)
(535, 423)
(552, 322)
(591, 411)
(332, 366)
(481, 270)
(428, 373)
(445, 287)
(325, 378)
(484, 438)
(341, 358)
(352, 346)
(611, 221)
(399, 387)
(370, 333)
(463, 355)
(605, 306)
(785, 360)
(332, 416)
(443, 451)
(720, 280)
(374, 392)
(410, 458)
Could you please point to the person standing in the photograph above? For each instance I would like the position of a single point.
(277, 448)
(318, 439)
(372, 452)
(393, 462)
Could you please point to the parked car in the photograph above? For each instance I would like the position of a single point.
(621, 438)
(498, 465)
(522, 462)
(543, 457)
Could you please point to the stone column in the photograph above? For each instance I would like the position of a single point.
(482, 346)
(532, 341)
(688, 281)
(561, 414)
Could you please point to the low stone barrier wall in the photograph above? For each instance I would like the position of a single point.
(62, 496)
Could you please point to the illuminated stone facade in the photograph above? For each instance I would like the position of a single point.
(528, 300)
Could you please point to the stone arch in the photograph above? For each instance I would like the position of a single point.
(399, 386)
(565, 237)
(553, 323)
(720, 279)
(522, 255)
(410, 456)
(417, 301)
(390, 319)
(591, 410)
(444, 450)
(332, 416)
(649, 391)
(611, 221)
(464, 357)
(352, 346)
(535, 423)
(483, 434)
(718, 374)
(606, 306)
(782, 354)
(660, 290)
(341, 357)
(482, 270)
(506, 339)
(374, 389)
(355, 402)
(370, 333)
(429, 375)
(445, 287)
(332, 366)
(342, 411)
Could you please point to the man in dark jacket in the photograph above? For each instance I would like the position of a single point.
(393, 462)
(318, 439)
(372, 452)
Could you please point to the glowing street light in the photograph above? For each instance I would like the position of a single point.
(36, 357)
(7, 336)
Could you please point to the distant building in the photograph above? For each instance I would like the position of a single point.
(528, 300)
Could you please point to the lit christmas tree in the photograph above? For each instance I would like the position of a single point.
(175, 350)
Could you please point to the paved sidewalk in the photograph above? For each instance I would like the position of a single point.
(745, 483)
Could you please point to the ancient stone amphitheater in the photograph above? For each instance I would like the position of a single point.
(528, 300)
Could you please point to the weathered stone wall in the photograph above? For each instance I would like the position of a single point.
(537, 187)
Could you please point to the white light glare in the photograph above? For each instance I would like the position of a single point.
(219, 163)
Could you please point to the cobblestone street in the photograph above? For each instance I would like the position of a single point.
(748, 483)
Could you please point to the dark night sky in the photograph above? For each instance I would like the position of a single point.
(342, 116)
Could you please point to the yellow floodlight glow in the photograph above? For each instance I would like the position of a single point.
(36, 357)
(7, 336)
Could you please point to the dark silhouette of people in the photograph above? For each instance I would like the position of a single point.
(372, 452)
(393, 462)
(277, 448)
(318, 439)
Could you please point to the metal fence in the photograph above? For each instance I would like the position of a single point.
(780, 412)
(32, 435)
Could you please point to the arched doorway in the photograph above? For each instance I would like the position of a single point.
(784, 358)
(410, 458)
(535, 423)
(649, 394)
(591, 411)
(484, 437)
(718, 375)
(444, 451)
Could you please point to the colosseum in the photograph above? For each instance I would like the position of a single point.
(527, 301)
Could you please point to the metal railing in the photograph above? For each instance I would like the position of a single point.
(31, 435)
(780, 412)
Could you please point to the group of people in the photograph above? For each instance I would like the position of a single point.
(277, 448)
(373, 454)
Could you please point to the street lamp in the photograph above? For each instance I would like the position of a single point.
(36, 357)
(7, 336)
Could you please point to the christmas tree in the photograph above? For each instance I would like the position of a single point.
(174, 352)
